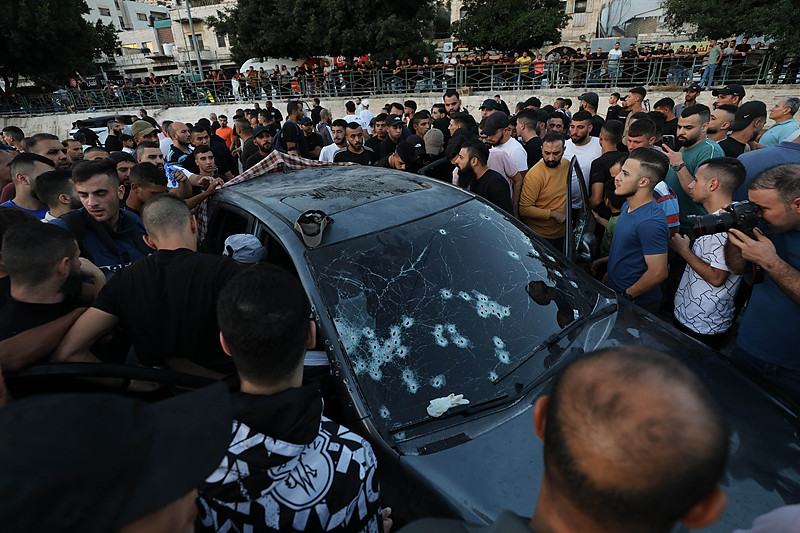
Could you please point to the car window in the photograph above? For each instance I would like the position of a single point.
(452, 303)
(224, 222)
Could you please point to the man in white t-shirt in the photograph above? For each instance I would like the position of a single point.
(586, 148)
(704, 302)
(339, 141)
(613, 61)
(497, 129)
(350, 116)
(366, 114)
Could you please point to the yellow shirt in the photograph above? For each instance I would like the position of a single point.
(544, 189)
(524, 64)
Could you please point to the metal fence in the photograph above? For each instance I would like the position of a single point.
(677, 71)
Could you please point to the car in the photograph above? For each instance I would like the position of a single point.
(421, 289)
(99, 125)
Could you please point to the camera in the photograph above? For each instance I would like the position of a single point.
(742, 216)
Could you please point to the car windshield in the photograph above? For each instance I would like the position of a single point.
(451, 303)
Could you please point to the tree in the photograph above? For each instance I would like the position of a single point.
(722, 18)
(307, 28)
(510, 25)
(48, 40)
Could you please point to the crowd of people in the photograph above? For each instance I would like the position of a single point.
(116, 274)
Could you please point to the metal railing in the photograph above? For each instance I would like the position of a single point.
(675, 71)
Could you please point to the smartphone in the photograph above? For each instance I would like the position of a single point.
(668, 140)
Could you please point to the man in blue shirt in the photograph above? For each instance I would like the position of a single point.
(24, 169)
(769, 339)
(783, 114)
(637, 262)
(757, 160)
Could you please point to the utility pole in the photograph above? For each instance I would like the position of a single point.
(194, 41)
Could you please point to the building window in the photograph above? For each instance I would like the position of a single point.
(121, 23)
(148, 45)
(142, 16)
(580, 6)
(221, 40)
(116, 4)
(104, 11)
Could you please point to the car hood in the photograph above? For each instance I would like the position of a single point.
(501, 468)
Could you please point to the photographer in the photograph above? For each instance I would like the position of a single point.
(769, 337)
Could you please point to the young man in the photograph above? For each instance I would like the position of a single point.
(527, 122)
(394, 134)
(264, 326)
(25, 168)
(615, 110)
(733, 94)
(181, 142)
(339, 128)
(225, 132)
(704, 302)
(599, 175)
(714, 59)
(291, 137)
(146, 181)
(402, 158)
(497, 129)
(589, 102)
(475, 175)
(748, 123)
(719, 122)
(178, 183)
(585, 148)
(263, 139)
(355, 152)
(637, 262)
(379, 133)
(56, 190)
(543, 201)
(312, 138)
(665, 107)
(692, 92)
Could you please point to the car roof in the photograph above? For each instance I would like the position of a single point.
(359, 199)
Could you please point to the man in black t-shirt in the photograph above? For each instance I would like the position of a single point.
(475, 175)
(589, 101)
(527, 122)
(746, 127)
(313, 139)
(401, 159)
(166, 303)
(665, 107)
(355, 152)
(394, 132)
(379, 134)
(292, 140)
(262, 138)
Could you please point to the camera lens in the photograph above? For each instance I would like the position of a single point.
(710, 224)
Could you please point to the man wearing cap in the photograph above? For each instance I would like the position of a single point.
(692, 92)
(488, 107)
(262, 138)
(747, 126)
(244, 248)
(497, 129)
(419, 152)
(585, 149)
(402, 158)
(394, 131)
(589, 102)
(366, 114)
(355, 152)
(313, 139)
(783, 114)
(733, 93)
(434, 144)
(143, 131)
(714, 58)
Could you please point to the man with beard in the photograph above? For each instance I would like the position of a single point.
(733, 94)
(74, 150)
(696, 148)
(543, 202)
(692, 92)
(452, 102)
(338, 129)
(750, 119)
(497, 129)
(720, 121)
(45, 270)
(768, 342)
(475, 175)
(585, 148)
(356, 152)
(637, 262)
(56, 190)
(262, 138)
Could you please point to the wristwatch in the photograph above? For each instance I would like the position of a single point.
(627, 296)
(678, 167)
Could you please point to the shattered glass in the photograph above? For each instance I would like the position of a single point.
(452, 303)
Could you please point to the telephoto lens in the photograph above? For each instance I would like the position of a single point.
(710, 224)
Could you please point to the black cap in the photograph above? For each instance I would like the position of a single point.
(496, 121)
(97, 462)
(271, 129)
(747, 112)
(731, 88)
(418, 144)
(590, 98)
(306, 121)
(405, 151)
(489, 104)
(693, 88)
(393, 120)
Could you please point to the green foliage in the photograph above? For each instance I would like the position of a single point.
(48, 40)
(510, 25)
(307, 28)
(721, 19)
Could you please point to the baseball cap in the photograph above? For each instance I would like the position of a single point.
(590, 98)
(489, 103)
(306, 121)
(311, 225)
(747, 112)
(271, 129)
(141, 127)
(434, 139)
(393, 120)
(731, 88)
(496, 121)
(97, 462)
(365, 103)
(244, 248)
(405, 151)
(693, 88)
(417, 143)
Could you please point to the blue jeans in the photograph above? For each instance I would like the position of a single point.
(708, 75)
(785, 380)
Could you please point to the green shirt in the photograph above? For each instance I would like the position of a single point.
(713, 54)
(608, 234)
(693, 157)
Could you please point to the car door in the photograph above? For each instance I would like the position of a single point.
(580, 242)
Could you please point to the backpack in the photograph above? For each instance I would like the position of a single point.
(277, 143)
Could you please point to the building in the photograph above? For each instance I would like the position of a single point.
(125, 14)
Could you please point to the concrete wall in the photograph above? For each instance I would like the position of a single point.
(61, 124)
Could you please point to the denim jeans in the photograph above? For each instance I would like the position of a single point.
(786, 380)
(708, 75)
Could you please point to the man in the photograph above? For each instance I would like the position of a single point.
(95, 152)
(113, 143)
(355, 152)
(74, 150)
(714, 59)
(56, 190)
(557, 123)
(733, 94)
(108, 236)
(165, 143)
(637, 262)
(316, 111)
(420, 124)
(452, 102)
(14, 136)
(150, 120)
(783, 114)
(181, 140)
(704, 302)
(692, 92)
(263, 139)
(351, 116)
(274, 112)
(756, 161)
(178, 182)
(768, 342)
(409, 109)
(461, 123)
(366, 114)
(476, 176)
(124, 163)
(589, 102)
(144, 131)
(696, 147)
(49, 146)
(402, 158)
(634, 480)
(379, 133)
(527, 122)
(488, 107)
(497, 129)
(147, 180)
(585, 148)
(633, 102)
(615, 110)
(245, 133)
(313, 140)
(225, 132)
(600, 173)
(543, 201)
(25, 168)
(290, 138)
(176, 288)
(323, 127)
(75, 450)
(749, 122)
(264, 324)
(719, 123)
(201, 136)
(665, 107)
(339, 128)
(394, 132)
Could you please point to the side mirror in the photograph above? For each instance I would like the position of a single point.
(586, 248)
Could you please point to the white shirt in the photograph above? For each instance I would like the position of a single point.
(699, 305)
(327, 152)
(367, 116)
(585, 154)
(357, 118)
(165, 145)
(614, 55)
(514, 150)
